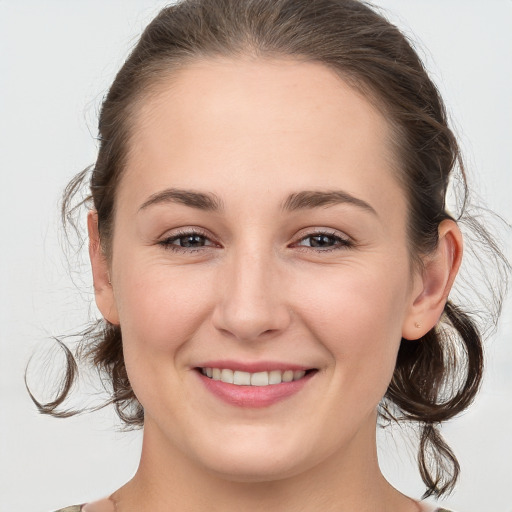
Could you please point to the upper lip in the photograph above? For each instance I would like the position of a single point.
(252, 367)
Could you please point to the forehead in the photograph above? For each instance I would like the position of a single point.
(221, 121)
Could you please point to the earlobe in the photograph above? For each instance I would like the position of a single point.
(103, 291)
(439, 271)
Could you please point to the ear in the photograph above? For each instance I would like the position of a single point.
(434, 283)
(103, 290)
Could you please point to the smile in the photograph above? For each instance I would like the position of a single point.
(241, 378)
(258, 388)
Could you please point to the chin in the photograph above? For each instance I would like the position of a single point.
(265, 469)
(255, 461)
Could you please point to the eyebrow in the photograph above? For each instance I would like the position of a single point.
(315, 199)
(200, 200)
(306, 199)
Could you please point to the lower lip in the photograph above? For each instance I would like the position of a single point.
(254, 396)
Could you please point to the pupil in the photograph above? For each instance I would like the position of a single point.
(320, 241)
(192, 241)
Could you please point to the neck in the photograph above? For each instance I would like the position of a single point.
(167, 479)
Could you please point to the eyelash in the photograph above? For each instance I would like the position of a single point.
(168, 243)
(342, 243)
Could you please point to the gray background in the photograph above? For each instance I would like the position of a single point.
(56, 61)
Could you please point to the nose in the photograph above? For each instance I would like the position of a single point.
(251, 304)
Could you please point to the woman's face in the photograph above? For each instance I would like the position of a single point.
(260, 227)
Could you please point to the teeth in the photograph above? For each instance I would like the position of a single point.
(226, 376)
(288, 376)
(259, 379)
(252, 379)
(275, 377)
(298, 374)
(242, 378)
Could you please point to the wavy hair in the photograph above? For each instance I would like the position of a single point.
(436, 377)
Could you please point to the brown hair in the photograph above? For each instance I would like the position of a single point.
(436, 377)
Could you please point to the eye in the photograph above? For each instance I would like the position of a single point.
(324, 241)
(187, 241)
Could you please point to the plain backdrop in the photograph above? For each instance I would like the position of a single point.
(57, 59)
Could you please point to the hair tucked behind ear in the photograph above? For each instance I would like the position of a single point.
(436, 377)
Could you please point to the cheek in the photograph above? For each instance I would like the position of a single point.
(356, 299)
(357, 314)
(160, 307)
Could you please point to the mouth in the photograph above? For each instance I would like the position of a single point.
(253, 389)
(259, 379)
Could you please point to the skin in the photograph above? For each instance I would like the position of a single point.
(252, 132)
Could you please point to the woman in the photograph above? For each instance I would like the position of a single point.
(272, 256)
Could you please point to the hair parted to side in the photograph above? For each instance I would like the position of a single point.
(437, 376)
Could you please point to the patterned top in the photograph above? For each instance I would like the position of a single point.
(78, 508)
